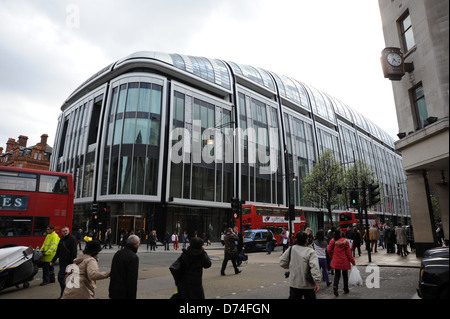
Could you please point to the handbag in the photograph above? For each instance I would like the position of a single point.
(287, 273)
(233, 255)
(176, 268)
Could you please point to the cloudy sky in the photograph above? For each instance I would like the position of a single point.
(49, 47)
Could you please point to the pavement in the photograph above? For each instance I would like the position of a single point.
(380, 258)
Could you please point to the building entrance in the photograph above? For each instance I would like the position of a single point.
(123, 226)
(203, 222)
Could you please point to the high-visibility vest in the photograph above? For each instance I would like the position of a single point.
(50, 246)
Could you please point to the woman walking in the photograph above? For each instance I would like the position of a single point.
(194, 259)
(87, 273)
(320, 246)
(341, 258)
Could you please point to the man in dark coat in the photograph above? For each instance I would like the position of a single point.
(230, 252)
(66, 253)
(124, 271)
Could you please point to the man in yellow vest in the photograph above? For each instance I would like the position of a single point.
(48, 250)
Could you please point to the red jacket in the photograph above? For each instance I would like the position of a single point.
(340, 253)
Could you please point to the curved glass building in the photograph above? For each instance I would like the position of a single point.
(164, 141)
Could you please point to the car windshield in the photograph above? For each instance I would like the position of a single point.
(249, 234)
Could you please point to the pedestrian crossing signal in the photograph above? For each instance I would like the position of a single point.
(374, 194)
(354, 198)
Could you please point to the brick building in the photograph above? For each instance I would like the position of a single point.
(18, 154)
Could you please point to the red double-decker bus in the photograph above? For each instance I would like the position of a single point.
(347, 219)
(30, 200)
(270, 217)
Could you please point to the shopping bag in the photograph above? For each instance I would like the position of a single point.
(355, 277)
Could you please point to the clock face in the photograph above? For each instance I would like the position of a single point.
(394, 59)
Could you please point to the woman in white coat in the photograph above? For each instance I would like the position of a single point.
(304, 270)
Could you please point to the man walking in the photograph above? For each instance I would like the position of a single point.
(124, 271)
(66, 253)
(230, 252)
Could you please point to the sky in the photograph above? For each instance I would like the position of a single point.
(49, 47)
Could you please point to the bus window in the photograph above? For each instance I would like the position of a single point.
(13, 226)
(18, 181)
(40, 226)
(259, 210)
(346, 217)
(277, 212)
(246, 210)
(268, 211)
(53, 184)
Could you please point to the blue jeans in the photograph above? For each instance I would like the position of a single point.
(323, 265)
(269, 247)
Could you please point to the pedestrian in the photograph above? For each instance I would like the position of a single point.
(124, 271)
(107, 239)
(310, 239)
(175, 240)
(208, 239)
(304, 270)
(78, 237)
(222, 238)
(320, 246)
(341, 258)
(88, 273)
(184, 239)
(402, 240)
(166, 241)
(389, 237)
(285, 238)
(48, 251)
(230, 251)
(153, 240)
(374, 237)
(193, 260)
(269, 242)
(381, 232)
(66, 253)
(357, 240)
(329, 237)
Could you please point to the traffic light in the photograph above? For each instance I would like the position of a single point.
(291, 212)
(235, 207)
(354, 198)
(374, 194)
(94, 209)
(106, 213)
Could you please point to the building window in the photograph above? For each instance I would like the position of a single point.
(406, 32)
(420, 107)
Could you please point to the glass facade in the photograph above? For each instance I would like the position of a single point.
(166, 146)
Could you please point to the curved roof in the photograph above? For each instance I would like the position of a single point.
(218, 73)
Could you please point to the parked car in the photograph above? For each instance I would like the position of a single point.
(256, 239)
(434, 275)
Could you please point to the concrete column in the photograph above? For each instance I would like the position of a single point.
(423, 226)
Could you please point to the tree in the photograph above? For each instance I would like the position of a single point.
(321, 185)
(354, 177)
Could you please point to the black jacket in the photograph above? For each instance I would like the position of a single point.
(190, 283)
(66, 251)
(124, 274)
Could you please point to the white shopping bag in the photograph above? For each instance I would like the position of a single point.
(355, 277)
